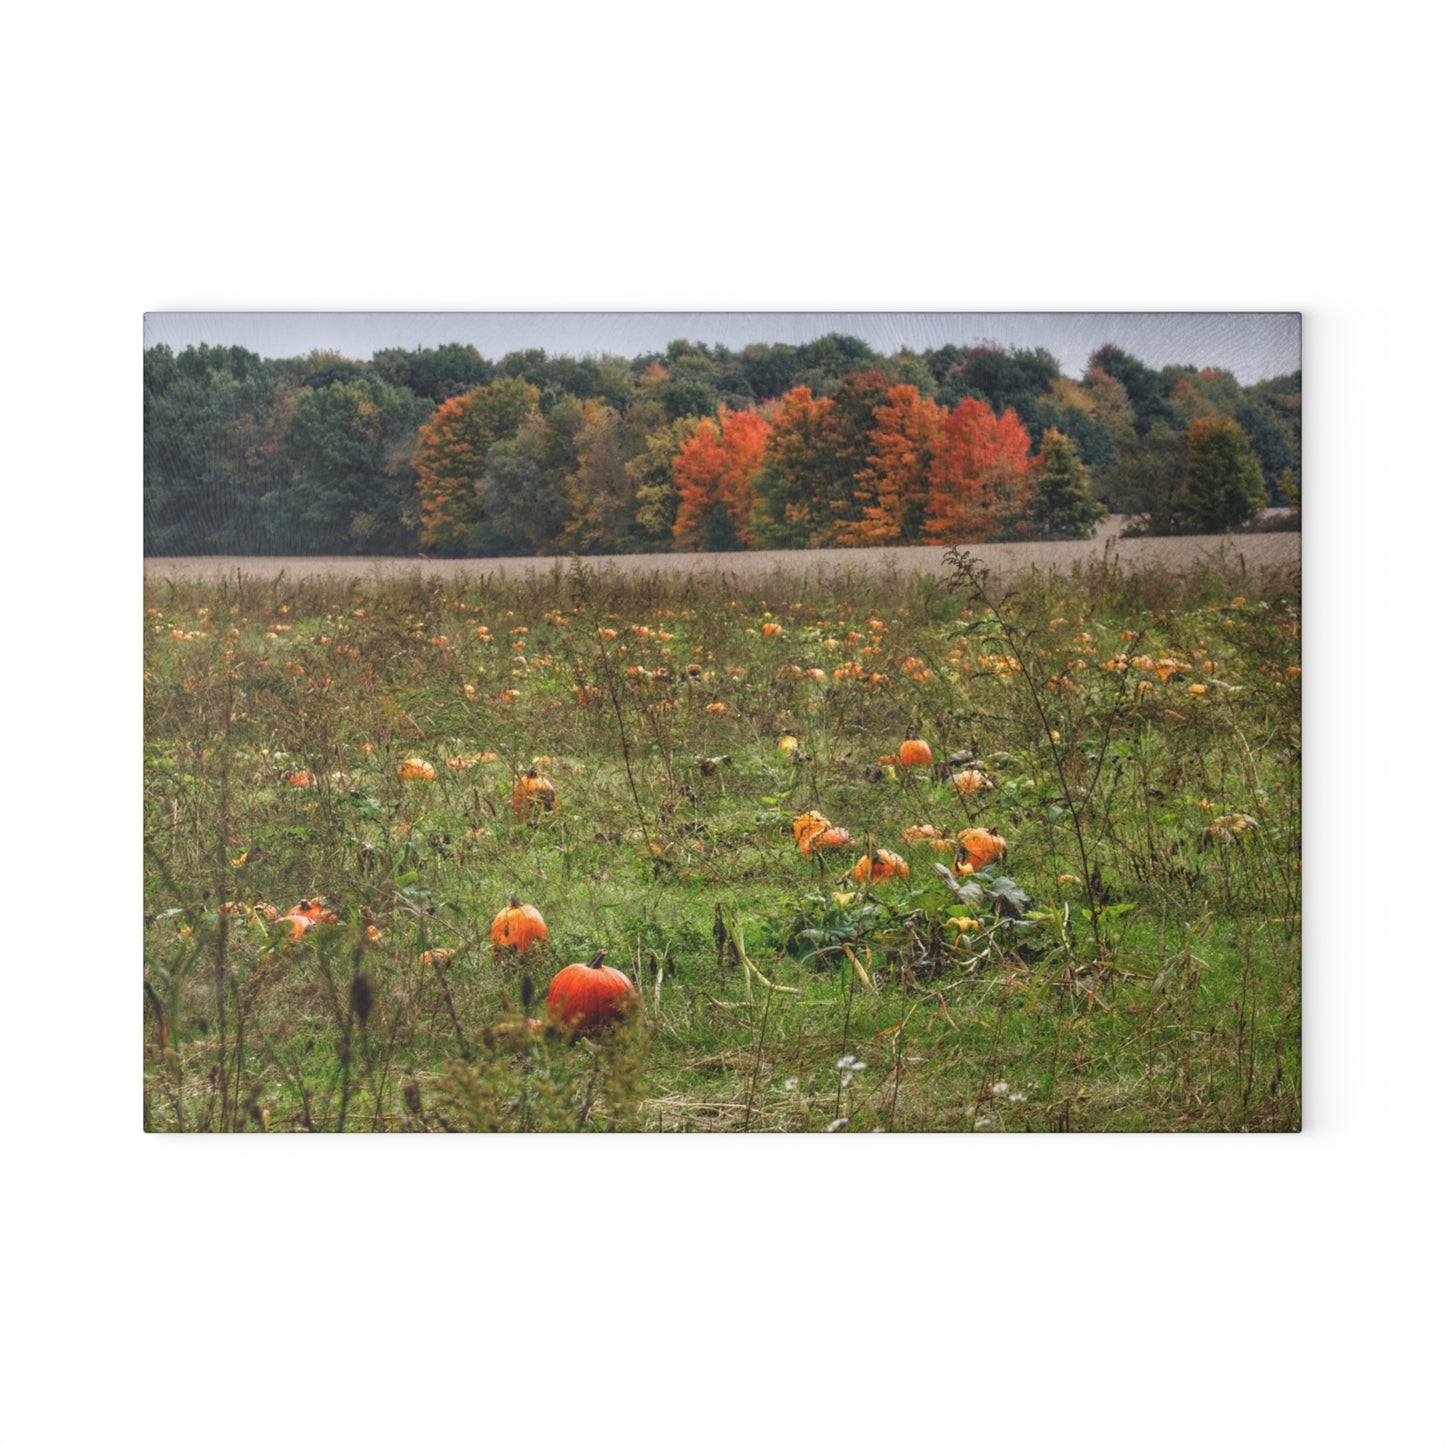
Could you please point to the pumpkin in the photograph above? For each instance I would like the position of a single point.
(922, 833)
(878, 866)
(416, 770)
(805, 825)
(1231, 828)
(969, 781)
(915, 753)
(978, 847)
(513, 1032)
(533, 794)
(313, 910)
(517, 927)
(587, 997)
(305, 916)
(825, 838)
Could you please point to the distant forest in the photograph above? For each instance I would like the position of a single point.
(441, 452)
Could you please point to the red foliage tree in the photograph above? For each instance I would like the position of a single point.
(980, 478)
(716, 471)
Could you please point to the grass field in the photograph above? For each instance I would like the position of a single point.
(1132, 962)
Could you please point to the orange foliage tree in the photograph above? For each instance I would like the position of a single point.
(716, 470)
(451, 457)
(980, 479)
(892, 487)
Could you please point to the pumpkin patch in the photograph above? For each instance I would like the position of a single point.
(846, 875)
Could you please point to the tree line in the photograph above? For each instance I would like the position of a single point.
(698, 448)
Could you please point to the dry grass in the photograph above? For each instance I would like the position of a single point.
(1263, 551)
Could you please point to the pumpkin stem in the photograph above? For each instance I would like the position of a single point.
(515, 902)
(596, 960)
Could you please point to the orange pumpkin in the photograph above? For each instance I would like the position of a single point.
(313, 910)
(879, 866)
(969, 781)
(805, 825)
(915, 753)
(416, 770)
(978, 847)
(587, 997)
(533, 794)
(517, 928)
(514, 1032)
(922, 833)
(305, 916)
(823, 838)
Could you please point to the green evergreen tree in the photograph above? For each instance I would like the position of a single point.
(1063, 505)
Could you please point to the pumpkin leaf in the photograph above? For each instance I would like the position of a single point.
(1001, 887)
(969, 892)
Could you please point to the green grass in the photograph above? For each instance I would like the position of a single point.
(1151, 981)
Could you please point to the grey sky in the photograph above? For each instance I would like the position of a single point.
(1250, 344)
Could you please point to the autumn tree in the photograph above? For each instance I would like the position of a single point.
(892, 485)
(1224, 486)
(848, 435)
(523, 495)
(1146, 388)
(1011, 379)
(807, 489)
(1108, 402)
(716, 470)
(1063, 505)
(1069, 408)
(451, 457)
(980, 479)
(654, 486)
(792, 505)
(599, 490)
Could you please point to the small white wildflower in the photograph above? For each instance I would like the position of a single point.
(1017, 1099)
(982, 1122)
(858, 1064)
(790, 1084)
(836, 1125)
(1000, 1089)
(846, 1062)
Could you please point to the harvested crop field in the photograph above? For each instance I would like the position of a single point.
(1261, 551)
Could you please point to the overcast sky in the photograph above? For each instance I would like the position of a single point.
(1250, 344)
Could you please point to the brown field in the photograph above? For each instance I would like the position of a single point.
(1266, 550)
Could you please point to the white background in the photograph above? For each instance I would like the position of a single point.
(1009, 1291)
